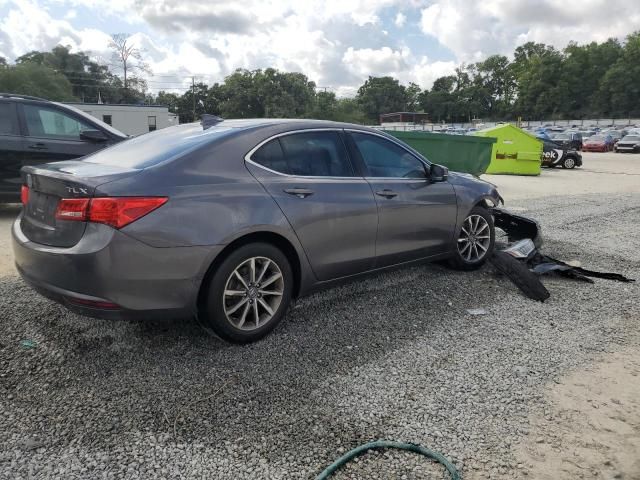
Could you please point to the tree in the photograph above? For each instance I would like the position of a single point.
(3, 62)
(413, 97)
(619, 92)
(380, 95)
(127, 56)
(36, 80)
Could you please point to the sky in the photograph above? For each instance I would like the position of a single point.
(336, 43)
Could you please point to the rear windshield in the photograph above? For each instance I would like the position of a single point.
(157, 147)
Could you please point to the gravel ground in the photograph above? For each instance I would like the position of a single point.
(395, 356)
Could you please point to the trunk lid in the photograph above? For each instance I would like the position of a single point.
(48, 184)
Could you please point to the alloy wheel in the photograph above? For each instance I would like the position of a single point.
(253, 293)
(569, 163)
(474, 239)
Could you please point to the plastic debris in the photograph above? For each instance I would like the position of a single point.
(477, 311)
(28, 344)
(521, 249)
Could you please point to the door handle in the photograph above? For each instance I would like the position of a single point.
(37, 146)
(386, 193)
(299, 192)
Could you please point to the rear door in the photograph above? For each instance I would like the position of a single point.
(11, 151)
(331, 209)
(416, 218)
(52, 134)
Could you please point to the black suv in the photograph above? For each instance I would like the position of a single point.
(557, 155)
(569, 139)
(34, 130)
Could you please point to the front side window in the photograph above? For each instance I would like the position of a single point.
(47, 122)
(385, 159)
(308, 154)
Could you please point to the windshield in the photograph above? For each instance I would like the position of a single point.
(561, 136)
(631, 138)
(157, 147)
(597, 138)
(106, 126)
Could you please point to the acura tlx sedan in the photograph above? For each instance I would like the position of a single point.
(229, 221)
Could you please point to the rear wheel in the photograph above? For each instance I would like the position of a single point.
(249, 293)
(569, 162)
(475, 241)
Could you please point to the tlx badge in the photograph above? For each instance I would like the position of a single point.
(77, 190)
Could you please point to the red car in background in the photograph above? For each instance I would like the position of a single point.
(598, 143)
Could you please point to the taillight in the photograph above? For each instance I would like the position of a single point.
(114, 211)
(72, 209)
(121, 211)
(24, 194)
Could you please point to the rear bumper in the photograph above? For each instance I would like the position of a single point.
(110, 267)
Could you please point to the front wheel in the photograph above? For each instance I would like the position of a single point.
(249, 293)
(475, 241)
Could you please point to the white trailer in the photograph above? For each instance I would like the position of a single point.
(130, 119)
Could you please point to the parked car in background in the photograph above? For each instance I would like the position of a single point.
(232, 220)
(616, 135)
(557, 155)
(34, 131)
(586, 134)
(598, 143)
(569, 140)
(629, 144)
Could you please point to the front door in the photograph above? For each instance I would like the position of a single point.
(416, 217)
(331, 210)
(53, 135)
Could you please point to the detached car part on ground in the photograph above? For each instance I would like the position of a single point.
(230, 220)
(522, 262)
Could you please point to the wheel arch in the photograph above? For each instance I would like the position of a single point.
(272, 238)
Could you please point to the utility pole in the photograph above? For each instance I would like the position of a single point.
(193, 90)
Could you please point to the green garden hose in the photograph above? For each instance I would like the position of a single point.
(379, 444)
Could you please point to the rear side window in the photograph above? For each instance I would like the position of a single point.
(8, 120)
(47, 122)
(307, 154)
(270, 156)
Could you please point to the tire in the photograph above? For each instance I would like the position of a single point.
(569, 163)
(462, 259)
(256, 312)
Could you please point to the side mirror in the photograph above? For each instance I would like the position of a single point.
(93, 136)
(438, 173)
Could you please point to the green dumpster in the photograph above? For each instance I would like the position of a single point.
(516, 152)
(460, 153)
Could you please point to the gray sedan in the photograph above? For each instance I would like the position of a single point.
(230, 221)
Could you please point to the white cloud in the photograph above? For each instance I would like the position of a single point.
(474, 29)
(337, 43)
(368, 62)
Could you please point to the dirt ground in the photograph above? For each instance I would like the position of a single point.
(591, 428)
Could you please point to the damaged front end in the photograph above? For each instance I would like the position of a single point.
(522, 262)
(517, 227)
